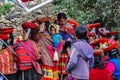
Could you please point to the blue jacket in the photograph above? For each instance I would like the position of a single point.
(117, 65)
(56, 39)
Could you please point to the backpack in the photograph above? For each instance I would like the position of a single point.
(23, 59)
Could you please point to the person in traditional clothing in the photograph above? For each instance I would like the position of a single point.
(81, 56)
(28, 54)
(114, 63)
(100, 71)
(7, 56)
(54, 32)
(47, 49)
(67, 32)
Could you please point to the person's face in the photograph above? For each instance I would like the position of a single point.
(62, 22)
(91, 38)
(62, 28)
(52, 31)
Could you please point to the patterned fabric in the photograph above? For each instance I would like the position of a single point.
(23, 59)
(44, 43)
(51, 73)
(62, 63)
(7, 62)
(34, 54)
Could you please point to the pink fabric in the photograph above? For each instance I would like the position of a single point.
(111, 67)
(105, 59)
(50, 49)
(60, 46)
(30, 47)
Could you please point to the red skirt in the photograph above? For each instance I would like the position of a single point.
(62, 63)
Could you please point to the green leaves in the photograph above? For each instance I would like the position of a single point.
(5, 8)
(87, 11)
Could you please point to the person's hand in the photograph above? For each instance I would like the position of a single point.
(69, 39)
(63, 42)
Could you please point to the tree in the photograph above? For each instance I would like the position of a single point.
(89, 11)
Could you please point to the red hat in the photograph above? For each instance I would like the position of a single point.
(112, 43)
(6, 30)
(41, 20)
(91, 34)
(70, 30)
(111, 46)
(30, 25)
(73, 22)
(102, 31)
(94, 25)
(4, 37)
(112, 33)
(26, 0)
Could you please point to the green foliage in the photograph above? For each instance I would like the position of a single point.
(88, 11)
(5, 8)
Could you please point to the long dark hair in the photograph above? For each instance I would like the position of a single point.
(98, 63)
(61, 16)
(32, 33)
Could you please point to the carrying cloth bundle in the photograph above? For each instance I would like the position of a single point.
(30, 57)
(23, 59)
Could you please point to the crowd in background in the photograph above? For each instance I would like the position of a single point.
(59, 49)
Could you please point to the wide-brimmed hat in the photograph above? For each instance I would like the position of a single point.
(91, 34)
(112, 43)
(6, 30)
(112, 33)
(103, 31)
(91, 26)
(4, 37)
(73, 23)
(30, 25)
(42, 20)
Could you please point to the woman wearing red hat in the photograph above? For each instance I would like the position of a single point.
(47, 49)
(28, 54)
(100, 71)
(7, 58)
(8, 31)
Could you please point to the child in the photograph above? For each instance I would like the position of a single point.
(56, 37)
(81, 56)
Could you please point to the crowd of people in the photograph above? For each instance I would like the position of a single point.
(59, 49)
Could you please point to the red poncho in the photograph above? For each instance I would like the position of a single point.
(100, 74)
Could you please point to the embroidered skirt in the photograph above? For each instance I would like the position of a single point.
(62, 63)
(51, 73)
